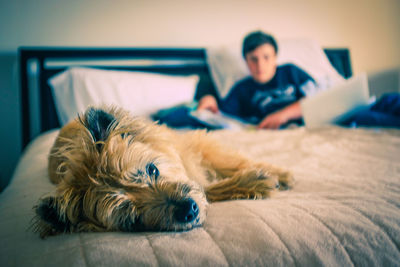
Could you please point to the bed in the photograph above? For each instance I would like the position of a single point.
(343, 211)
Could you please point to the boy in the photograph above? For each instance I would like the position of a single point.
(270, 96)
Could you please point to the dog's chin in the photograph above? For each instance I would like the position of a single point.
(171, 228)
(181, 227)
(165, 227)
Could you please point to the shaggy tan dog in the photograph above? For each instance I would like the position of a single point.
(115, 172)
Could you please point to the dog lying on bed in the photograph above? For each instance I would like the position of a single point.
(115, 172)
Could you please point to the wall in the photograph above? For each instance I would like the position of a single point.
(10, 146)
(370, 28)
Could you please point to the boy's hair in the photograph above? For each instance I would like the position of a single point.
(256, 39)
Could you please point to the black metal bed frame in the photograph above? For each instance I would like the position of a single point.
(340, 59)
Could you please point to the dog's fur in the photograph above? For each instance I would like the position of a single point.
(115, 172)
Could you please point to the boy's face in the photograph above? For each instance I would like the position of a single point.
(262, 63)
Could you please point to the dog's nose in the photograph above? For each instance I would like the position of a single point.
(186, 211)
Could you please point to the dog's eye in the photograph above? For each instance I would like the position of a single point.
(152, 170)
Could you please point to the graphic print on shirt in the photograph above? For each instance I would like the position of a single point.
(267, 101)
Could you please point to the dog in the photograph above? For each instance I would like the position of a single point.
(117, 172)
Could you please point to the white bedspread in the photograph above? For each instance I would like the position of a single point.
(343, 211)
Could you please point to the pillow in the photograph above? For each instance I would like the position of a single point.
(227, 65)
(139, 92)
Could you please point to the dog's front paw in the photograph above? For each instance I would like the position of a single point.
(283, 178)
(286, 180)
(257, 182)
(251, 183)
(262, 176)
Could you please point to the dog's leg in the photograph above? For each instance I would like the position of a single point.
(244, 184)
(239, 177)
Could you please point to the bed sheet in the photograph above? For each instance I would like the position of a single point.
(344, 210)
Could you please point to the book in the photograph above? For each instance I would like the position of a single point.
(220, 120)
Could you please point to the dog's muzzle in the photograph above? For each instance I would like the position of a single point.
(186, 211)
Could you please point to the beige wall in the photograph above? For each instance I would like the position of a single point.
(370, 28)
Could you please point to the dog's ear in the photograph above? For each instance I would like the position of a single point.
(99, 123)
(49, 220)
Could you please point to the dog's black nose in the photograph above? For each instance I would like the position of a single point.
(186, 211)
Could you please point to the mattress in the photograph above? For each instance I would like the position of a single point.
(344, 210)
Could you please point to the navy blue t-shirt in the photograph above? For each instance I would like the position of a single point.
(252, 101)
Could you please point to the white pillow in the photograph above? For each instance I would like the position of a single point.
(227, 65)
(139, 92)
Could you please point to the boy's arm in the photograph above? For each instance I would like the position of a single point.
(280, 117)
(232, 104)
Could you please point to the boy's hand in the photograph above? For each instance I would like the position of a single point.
(280, 117)
(274, 120)
(208, 102)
